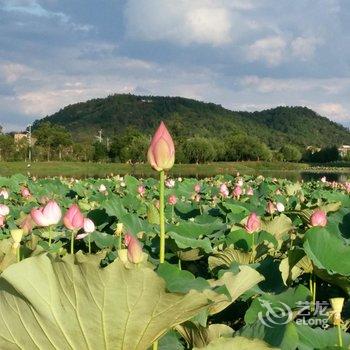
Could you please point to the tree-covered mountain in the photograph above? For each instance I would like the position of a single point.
(187, 117)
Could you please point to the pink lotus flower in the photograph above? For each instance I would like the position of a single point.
(170, 183)
(88, 227)
(141, 190)
(224, 190)
(161, 152)
(197, 188)
(48, 215)
(253, 223)
(270, 208)
(25, 193)
(4, 210)
(2, 221)
(4, 193)
(237, 192)
(250, 192)
(318, 218)
(73, 219)
(172, 200)
(134, 248)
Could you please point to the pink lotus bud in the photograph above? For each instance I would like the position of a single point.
(4, 210)
(2, 221)
(4, 193)
(170, 183)
(172, 200)
(89, 225)
(134, 248)
(25, 193)
(73, 219)
(318, 218)
(27, 224)
(253, 223)
(161, 152)
(197, 188)
(250, 192)
(141, 190)
(237, 192)
(280, 207)
(270, 208)
(224, 190)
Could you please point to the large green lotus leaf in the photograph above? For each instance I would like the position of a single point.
(189, 240)
(237, 343)
(114, 206)
(278, 226)
(72, 303)
(236, 285)
(286, 299)
(316, 338)
(327, 250)
(282, 335)
(180, 281)
(226, 257)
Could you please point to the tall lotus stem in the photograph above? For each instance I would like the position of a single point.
(161, 157)
(50, 235)
(161, 217)
(72, 238)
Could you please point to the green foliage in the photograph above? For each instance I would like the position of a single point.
(290, 153)
(243, 147)
(199, 150)
(188, 118)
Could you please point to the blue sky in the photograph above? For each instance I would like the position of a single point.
(243, 54)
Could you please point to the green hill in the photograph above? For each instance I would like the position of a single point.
(187, 117)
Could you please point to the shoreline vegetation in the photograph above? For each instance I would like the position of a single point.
(95, 169)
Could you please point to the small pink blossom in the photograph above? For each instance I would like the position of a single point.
(224, 190)
(318, 218)
(253, 223)
(197, 188)
(25, 193)
(4, 210)
(250, 192)
(172, 200)
(237, 192)
(141, 190)
(134, 248)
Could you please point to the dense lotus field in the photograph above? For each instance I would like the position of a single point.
(250, 263)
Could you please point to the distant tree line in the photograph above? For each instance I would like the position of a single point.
(54, 142)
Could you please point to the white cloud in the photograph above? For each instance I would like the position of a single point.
(304, 47)
(269, 85)
(335, 111)
(270, 49)
(195, 21)
(13, 71)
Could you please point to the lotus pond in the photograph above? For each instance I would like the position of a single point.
(250, 263)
